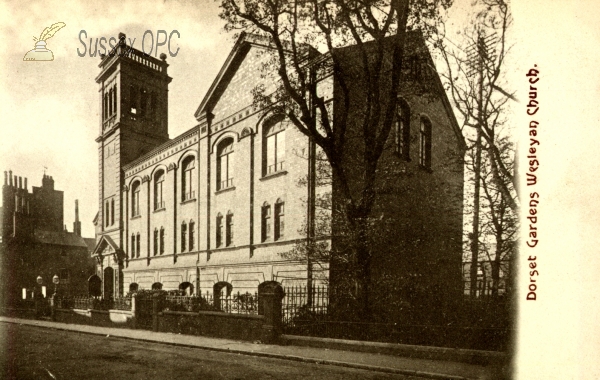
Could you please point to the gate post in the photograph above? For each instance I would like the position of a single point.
(156, 309)
(270, 295)
(134, 311)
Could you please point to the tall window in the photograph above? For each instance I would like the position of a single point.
(225, 164)
(274, 146)
(155, 242)
(219, 230)
(132, 247)
(137, 245)
(183, 236)
(159, 179)
(191, 227)
(107, 214)
(143, 102)
(114, 108)
(105, 106)
(266, 222)
(135, 199)
(425, 143)
(187, 181)
(403, 129)
(279, 219)
(112, 211)
(133, 99)
(229, 229)
(162, 240)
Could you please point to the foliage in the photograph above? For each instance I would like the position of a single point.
(361, 45)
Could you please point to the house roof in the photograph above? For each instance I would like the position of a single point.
(61, 238)
(106, 240)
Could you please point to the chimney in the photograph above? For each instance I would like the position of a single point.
(25, 183)
(20, 182)
(5, 178)
(10, 177)
(77, 223)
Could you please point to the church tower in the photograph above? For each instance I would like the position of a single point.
(133, 95)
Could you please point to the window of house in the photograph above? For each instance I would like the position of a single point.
(132, 247)
(135, 199)
(159, 179)
(266, 222)
(191, 227)
(162, 240)
(219, 230)
(114, 108)
(229, 229)
(138, 242)
(403, 129)
(133, 99)
(279, 219)
(112, 211)
(274, 146)
(105, 106)
(225, 164)
(63, 275)
(155, 241)
(187, 181)
(106, 214)
(183, 236)
(153, 105)
(425, 143)
(143, 102)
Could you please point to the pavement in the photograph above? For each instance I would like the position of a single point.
(432, 369)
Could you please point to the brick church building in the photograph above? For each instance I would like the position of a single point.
(221, 204)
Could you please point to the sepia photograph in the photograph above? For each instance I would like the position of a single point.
(284, 189)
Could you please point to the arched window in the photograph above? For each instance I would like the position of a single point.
(229, 229)
(187, 287)
(157, 286)
(403, 129)
(219, 230)
(183, 235)
(138, 242)
(162, 240)
(110, 102)
(156, 241)
(114, 108)
(265, 222)
(225, 164)
(191, 228)
(135, 199)
(187, 179)
(425, 143)
(279, 219)
(133, 287)
(159, 179)
(274, 145)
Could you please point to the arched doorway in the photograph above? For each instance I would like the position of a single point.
(109, 283)
(94, 286)
(187, 288)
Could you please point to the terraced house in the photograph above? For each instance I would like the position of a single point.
(219, 204)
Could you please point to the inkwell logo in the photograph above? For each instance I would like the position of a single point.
(40, 53)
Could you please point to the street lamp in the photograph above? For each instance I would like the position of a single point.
(55, 281)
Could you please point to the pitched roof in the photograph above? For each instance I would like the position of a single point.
(59, 238)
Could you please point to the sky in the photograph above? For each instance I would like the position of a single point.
(50, 119)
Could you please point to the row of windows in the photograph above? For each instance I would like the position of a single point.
(187, 185)
(266, 221)
(109, 103)
(402, 135)
(143, 103)
(158, 247)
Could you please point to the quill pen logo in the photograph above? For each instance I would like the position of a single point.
(40, 53)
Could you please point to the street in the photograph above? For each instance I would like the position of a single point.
(29, 352)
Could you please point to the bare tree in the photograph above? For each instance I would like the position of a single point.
(298, 32)
(475, 80)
